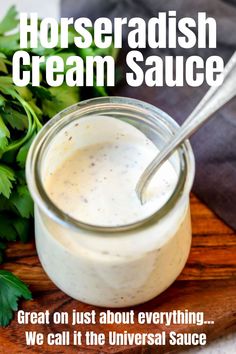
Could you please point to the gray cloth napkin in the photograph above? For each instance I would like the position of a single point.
(215, 144)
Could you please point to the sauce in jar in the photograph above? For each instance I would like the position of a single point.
(94, 238)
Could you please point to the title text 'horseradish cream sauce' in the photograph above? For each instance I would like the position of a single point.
(89, 171)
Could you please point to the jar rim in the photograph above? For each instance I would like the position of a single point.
(58, 122)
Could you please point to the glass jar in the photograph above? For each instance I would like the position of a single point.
(111, 266)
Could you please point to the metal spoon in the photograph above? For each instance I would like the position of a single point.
(214, 99)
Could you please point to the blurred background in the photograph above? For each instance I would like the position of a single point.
(43, 7)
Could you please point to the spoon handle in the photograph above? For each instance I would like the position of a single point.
(214, 99)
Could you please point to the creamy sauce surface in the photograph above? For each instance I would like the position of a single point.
(96, 183)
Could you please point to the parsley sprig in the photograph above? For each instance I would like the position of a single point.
(23, 111)
(11, 288)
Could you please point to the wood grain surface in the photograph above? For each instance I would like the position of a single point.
(207, 283)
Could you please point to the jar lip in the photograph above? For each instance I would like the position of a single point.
(40, 196)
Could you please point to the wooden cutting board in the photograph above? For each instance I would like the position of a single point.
(208, 283)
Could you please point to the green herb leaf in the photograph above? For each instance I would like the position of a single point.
(22, 200)
(6, 178)
(35, 108)
(2, 101)
(20, 176)
(22, 228)
(63, 96)
(99, 91)
(6, 85)
(4, 135)
(10, 44)
(10, 21)
(22, 154)
(16, 119)
(3, 67)
(42, 93)
(24, 92)
(11, 289)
